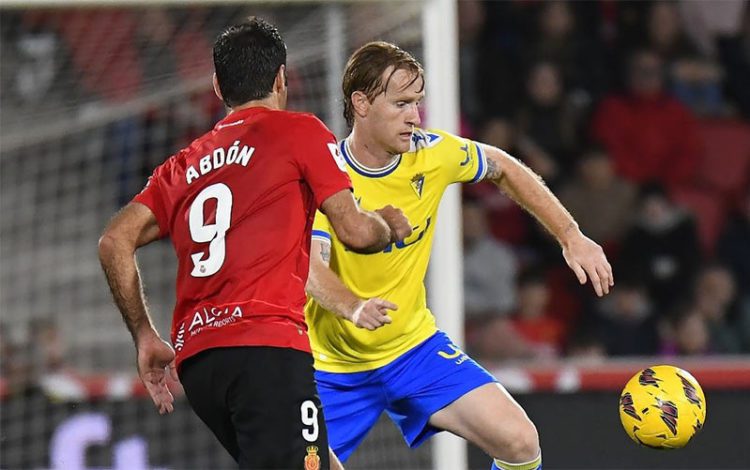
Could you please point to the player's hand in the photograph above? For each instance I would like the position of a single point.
(372, 313)
(155, 361)
(586, 258)
(397, 221)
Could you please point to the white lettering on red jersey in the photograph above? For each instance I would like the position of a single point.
(238, 205)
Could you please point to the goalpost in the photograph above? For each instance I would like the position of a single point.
(445, 278)
(94, 94)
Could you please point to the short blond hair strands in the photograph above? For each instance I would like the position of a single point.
(364, 72)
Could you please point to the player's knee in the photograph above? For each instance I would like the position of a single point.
(519, 445)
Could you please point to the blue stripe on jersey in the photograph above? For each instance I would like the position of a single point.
(321, 234)
(364, 171)
(482, 165)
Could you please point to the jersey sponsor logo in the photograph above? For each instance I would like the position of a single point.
(415, 237)
(648, 377)
(626, 402)
(214, 317)
(312, 459)
(417, 183)
(417, 234)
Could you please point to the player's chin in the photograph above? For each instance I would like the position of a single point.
(403, 143)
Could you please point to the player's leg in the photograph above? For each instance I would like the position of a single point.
(491, 419)
(276, 412)
(353, 402)
(205, 386)
(335, 462)
(438, 387)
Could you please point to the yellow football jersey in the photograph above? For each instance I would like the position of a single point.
(414, 182)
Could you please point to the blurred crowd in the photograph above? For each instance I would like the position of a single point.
(636, 114)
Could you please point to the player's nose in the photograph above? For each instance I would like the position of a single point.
(414, 119)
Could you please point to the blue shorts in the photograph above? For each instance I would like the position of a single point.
(411, 389)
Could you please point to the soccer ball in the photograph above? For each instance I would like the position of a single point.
(662, 407)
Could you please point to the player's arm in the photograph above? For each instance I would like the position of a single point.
(583, 255)
(363, 231)
(133, 227)
(328, 290)
(324, 169)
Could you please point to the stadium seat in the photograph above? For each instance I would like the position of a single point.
(726, 163)
(708, 208)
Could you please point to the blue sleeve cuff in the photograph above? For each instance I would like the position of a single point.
(481, 167)
(321, 235)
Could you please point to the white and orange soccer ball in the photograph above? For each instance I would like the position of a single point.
(662, 407)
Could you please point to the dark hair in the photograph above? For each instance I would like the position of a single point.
(364, 72)
(247, 58)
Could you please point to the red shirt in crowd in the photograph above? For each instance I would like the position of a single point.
(649, 139)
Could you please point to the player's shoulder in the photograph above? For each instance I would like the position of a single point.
(172, 169)
(179, 159)
(433, 139)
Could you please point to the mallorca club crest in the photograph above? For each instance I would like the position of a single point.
(648, 377)
(312, 460)
(690, 392)
(417, 183)
(626, 402)
(668, 414)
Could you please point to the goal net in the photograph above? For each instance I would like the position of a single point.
(92, 99)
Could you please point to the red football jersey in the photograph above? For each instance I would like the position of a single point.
(238, 205)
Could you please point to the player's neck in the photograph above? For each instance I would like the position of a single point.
(271, 102)
(367, 152)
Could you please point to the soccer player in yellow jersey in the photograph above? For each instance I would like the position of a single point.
(375, 342)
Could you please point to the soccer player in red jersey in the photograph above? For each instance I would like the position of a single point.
(238, 205)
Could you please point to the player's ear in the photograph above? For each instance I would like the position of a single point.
(280, 82)
(360, 104)
(280, 86)
(217, 90)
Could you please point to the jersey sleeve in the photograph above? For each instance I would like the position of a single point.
(320, 161)
(151, 196)
(462, 160)
(321, 230)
